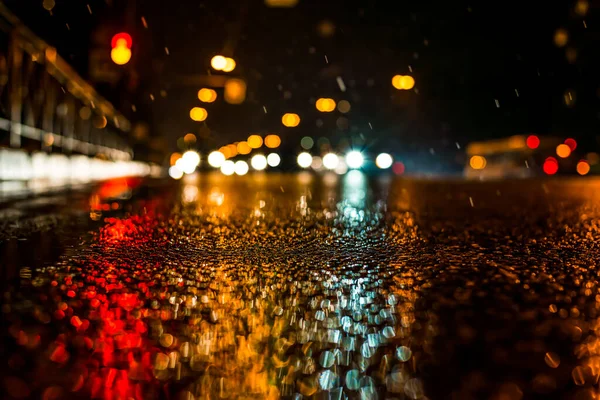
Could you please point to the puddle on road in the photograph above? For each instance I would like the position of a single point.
(308, 287)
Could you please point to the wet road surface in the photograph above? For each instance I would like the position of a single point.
(306, 287)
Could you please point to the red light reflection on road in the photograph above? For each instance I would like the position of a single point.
(112, 189)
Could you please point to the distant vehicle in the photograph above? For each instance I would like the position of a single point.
(523, 156)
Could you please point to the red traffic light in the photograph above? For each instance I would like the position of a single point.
(121, 36)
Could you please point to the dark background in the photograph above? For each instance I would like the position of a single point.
(482, 69)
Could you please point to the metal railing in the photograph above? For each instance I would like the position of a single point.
(46, 106)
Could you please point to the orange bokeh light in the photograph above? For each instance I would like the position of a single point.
(272, 141)
(255, 141)
(291, 120)
(243, 148)
(563, 151)
(583, 167)
(325, 105)
(207, 95)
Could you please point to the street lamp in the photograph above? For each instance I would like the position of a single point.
(229, 65)
(207, 95)
(325, 105)
(198, 114)
(218, 63)
(291, 120)
(403, 82)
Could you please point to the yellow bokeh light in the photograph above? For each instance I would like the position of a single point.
(235, 91)
(189, 138)
(120, 55)
(218, 62)
(396, 82)
(561, 37)
(255, 141)
(563, 151)
(477, 162)
(229, 64)
(403, 82)
(198, 114)
(407, 82)
(325, 105)
(583, 168)
(291, 120)
(243, 148)
(232, 149)
(272, 141)
(207, 95)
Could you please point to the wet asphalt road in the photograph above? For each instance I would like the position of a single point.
(302, 287)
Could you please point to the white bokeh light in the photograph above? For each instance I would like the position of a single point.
(228, 168)
(384, 161)
(216, 159)
(354, 159)
(191, 157)
(186, 165)
(175, 172)
(258, 162)
(273, 159)
(331, 161)
(304, 160)
(241, 167)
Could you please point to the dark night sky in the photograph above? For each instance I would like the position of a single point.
(466, 57)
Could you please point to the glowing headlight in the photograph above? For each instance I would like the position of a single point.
(259, 162)
(304, 160)
(354, 159)
(384, 161)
